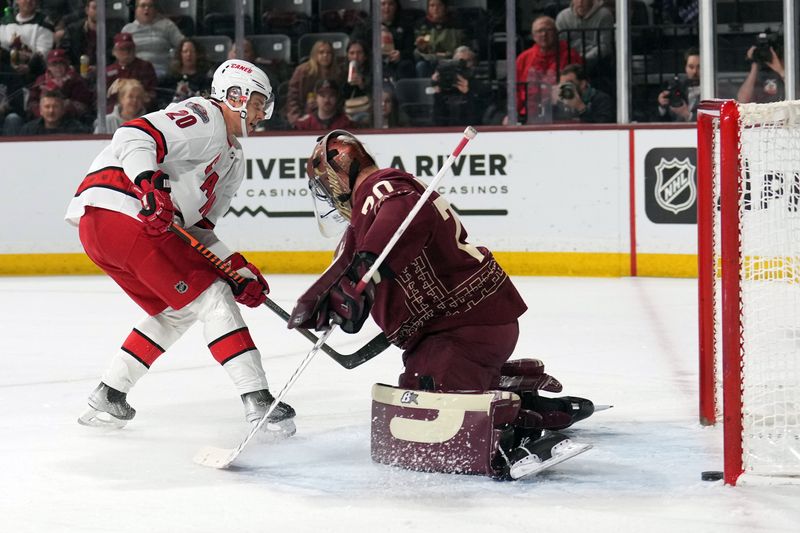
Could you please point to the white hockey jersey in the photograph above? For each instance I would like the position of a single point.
(188, 142)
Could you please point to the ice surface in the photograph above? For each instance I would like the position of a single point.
(627, 342)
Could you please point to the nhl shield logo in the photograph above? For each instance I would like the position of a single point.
(675, 189)
(181, 287)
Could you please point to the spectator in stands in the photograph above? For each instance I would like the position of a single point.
(590, 29)
(397, 41)
(575, 100)
(540, 63)
(132, 100)
(679, 101)
(276, 71)
(390, 109)
(128, 65)
(190, 74)
(52, 120)
(459, 99)
(156, 36)
(62, 77)
(764, 82)
(328, 114)
(435, 37)
(321, 65)
(12, 107)
(55, 12)
(27, 37)
(80, 38)
(357, 89)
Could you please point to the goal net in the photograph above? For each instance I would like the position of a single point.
(749, 284)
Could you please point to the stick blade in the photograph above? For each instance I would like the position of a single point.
(214, 457)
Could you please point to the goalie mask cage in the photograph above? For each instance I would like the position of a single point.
(748, 217)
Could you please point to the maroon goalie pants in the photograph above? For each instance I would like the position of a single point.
(465, 358)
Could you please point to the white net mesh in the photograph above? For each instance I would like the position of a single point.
(769, 211)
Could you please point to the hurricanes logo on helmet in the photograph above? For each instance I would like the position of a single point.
(243, 68)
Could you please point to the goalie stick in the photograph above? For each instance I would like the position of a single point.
(374, 347)
(223, 457)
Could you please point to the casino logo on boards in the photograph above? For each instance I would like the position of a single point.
(476, 184)
(670, 183)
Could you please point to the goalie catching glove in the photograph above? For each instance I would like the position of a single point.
(253, 291)
(152, 189)
(333, 299)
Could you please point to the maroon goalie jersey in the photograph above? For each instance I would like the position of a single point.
(440, 281)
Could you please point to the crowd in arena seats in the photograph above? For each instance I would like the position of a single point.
(443, 61)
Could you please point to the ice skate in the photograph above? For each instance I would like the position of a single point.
(530, 458)
(280, 424)
(108, 408)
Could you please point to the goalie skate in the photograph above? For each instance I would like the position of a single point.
(529, 459)
(108, 408)
(280, 424)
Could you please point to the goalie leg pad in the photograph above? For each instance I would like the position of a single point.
(441, 432)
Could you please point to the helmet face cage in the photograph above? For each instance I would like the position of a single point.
(324, 180)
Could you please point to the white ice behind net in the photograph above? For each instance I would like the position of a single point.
(769, 210)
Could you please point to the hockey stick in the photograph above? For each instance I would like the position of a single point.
(224, 457)
(375, 346)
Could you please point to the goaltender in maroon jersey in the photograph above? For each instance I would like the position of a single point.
(452, 309)
(447, 303)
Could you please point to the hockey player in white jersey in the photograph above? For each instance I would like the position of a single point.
(179, 165)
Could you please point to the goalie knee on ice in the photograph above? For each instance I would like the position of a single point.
(457, 432)
(526, 377)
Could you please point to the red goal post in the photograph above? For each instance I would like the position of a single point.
(748, 219)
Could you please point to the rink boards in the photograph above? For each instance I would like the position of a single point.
(603, 201)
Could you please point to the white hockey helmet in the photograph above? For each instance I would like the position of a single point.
(236, 77)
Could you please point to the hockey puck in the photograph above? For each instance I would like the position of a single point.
(711, 475)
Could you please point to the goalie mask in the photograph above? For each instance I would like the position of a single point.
(333, 167)
(239, 79)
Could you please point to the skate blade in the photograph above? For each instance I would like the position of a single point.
(564, 450)
(276, 431)
(214, 457)
(100, 419)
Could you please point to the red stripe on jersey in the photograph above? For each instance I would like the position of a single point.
(146, 126)
(231, 344)
(113, 178)
(205, 224)
(142, 348)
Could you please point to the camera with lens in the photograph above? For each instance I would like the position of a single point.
(677, 93)
(567, 91)
(762, 53)
(448, 70)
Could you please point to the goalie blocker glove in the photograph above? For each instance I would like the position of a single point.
(153, 190)
(346, 307)
(253, 292)
(332, 299)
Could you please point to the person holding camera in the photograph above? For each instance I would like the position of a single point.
(679, 101)
(457, 97)
(538, 66)
(764, 82)
(577, 101)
